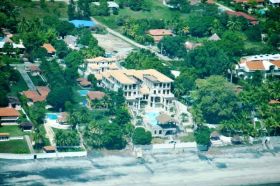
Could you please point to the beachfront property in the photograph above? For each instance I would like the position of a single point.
(93, 97)
(8, 115)
(141, 87)
(100, 64)
(268, 64)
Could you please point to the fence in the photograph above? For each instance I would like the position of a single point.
(42, 155)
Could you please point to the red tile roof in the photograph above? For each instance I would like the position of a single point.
(242, 14)
(35, 96)
(276, 63)
(50, 49)
(8, 112)
(95, 95)
(160, 32)
(255, 65)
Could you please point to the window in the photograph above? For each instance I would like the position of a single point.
(158, 91)
(155, 132)
(163, 91)
(155, 91)
(164, 85)
(167, 91)
(134, 93)
(160, 132)
(129, 93)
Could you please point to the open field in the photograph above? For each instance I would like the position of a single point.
(31, 10)
(14, 146)
(14, 130)
(158, 11)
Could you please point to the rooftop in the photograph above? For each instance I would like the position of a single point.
(160, 32)
(8, 112)
(96, 95)
(50, 49)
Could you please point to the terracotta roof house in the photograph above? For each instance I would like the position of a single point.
(251, 19)
(33, 69)
(214, 37)
(14, 102)
(158, 34)
(4, 136)
(93, 96)
(50, 49)
(83, 82)
(268, 64)
(8, 115)
(37, 96)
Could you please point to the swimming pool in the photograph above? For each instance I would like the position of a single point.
(151, 117)
(83, 92)
(52, 116)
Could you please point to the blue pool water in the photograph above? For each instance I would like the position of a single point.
(83, 92)
(52, 116)
(151, 116)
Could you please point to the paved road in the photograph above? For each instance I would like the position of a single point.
(117, 34)
(224, 8)
(25, 76)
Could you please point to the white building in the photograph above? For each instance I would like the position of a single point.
(275, 3)
(140, 87)
(100, 64)
(269, 64)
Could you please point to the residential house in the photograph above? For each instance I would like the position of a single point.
(251, 19)
(140, 87)
(49, 149)
(8, 115)
(16, 46)
(38, 95)
(71, 42)
(94, 96)
(112, 5)
(275, 3)
(4, 136)
(269, 64)
(100, 64)
(50, 49)
(84, 83)
(214, 37)
(166, 125)
(14, 102)
(158, 34)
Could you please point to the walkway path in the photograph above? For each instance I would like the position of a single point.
(126, 39)
(27, 138)
(25, 76)
(224, 8)
(50, 134)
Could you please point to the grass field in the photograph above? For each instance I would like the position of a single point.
(14, 130)
(158, 11)
(14, 146)
(32, 9)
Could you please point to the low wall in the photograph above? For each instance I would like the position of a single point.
(42, 155)
(166, 147)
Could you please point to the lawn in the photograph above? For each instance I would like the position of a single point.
(158, 11)
(14, 146)
(31, 10)
(18, 87)
(14, 130)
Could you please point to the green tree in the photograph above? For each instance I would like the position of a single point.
(202, 135)
(215, 99)
(58, 96)
(141, 137)
(71, 10)
(173, 46)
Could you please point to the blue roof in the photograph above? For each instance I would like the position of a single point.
(82, 23)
